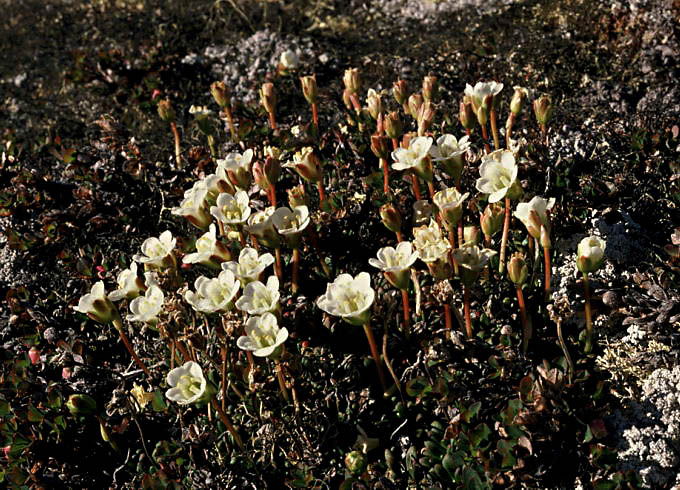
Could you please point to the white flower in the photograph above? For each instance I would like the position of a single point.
(146, 308)
(157, 252)
(450, 204)
(237, 166)
(471, 260)
(349, 298)
(498, 176)
(209, 250)
(261, 226)
(430, 243)
(258, 299)
(217, 183)
(289, 60)
(129, 284)
(395, 263)
(193, 206)
(263, 335)
(414, 157)
(590, 254)
(534, 214)
(187, 384)
(232, 210)
(96, 305)
(479, 93)
(289, 222)
(199, 111)
(249, 265)
(448, 147)
(213, 295)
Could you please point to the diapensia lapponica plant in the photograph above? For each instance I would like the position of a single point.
(222, 292)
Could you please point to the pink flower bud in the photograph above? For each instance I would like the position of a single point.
(34, 355)
(66, 373)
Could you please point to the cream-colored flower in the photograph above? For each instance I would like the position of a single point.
(157, 252)
(534, 215)
(193, 206)
(258, 299)
(96, 305)
(450, 204)
(415, 158)
(349, 298)
(480, 93)
(249, 266)
(129, 284)
(237, 166)
(396, 263)
(590, 254)
(261, 226)
(471, 260)
(306, 164)
(232, 210)
(430, 243)
(498, 173)
(449, 153)
(187, 384)
(199, 111)
(263, 336)
(146, 308)
(289, 222)
(209, 250)
(213, 295)
(289, 60)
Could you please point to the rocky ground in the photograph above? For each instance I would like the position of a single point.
(87, 173)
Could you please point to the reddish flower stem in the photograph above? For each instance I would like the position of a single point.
(272, 194)
(272, 121)
(386, 176)
(416, 186)
(407, 312)
(589, 321)
(494, 130)
(315, 118)
(504, 241)
(119, 326)
(225, 420)
(400, 237)
(526, 328)
(485, 138)
(296, 266)
(546, 256)
(508, 129)
(278, 269)
(322, 194)
(447, 319)
(466, 305)
(178, 149)
(376, 356)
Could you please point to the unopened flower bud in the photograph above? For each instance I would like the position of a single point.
(440, 269)
(430, 89)
(297, 197)
(289, 60)
(491, 220)
(425, 117)
(517, 269)
(393, 125)
(466, 114)
(374, 103)
(390, 217)
(355, 461)
(590, 254)
(351, 80)
(543, 109)
(34, 355)
(309, 89)
(81, 404)
(380, 146)
(545, 237)
(165, 111)
(471, 235)
(266, 173)
(415, 101)
(347, 99)
(221, 94)
(268, 97)
(518, 98)
(400, 91)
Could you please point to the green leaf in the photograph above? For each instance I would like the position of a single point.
(411, 456)
(418, 386)
(479, 434)
(471, 480)
(470, 412)
(505, 450)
